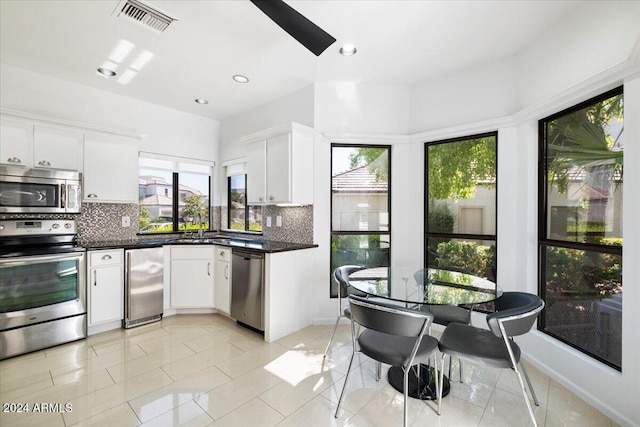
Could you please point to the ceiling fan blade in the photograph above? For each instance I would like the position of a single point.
(300, 28)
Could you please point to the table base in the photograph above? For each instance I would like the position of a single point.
(425, 389)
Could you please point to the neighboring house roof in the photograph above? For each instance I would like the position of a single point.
(158, 200)
(358, 180)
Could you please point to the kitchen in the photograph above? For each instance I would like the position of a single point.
(520, 89)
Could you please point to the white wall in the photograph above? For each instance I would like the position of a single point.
(166, 130)
(469, 96)
(590, 40)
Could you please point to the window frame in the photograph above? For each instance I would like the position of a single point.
(246, 207)
(175, 203)
(460, 236)
(543, 210)
(332, 232)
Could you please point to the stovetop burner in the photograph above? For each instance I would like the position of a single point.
(38, 237)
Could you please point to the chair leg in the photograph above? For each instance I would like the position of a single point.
(346, 378)
(335, 328)
(526, 376)
(460, 369)
(526, 397)
(436, 379)
(405, 388)
(440, 381)
(378, 370)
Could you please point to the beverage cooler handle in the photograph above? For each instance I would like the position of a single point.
(127, 282)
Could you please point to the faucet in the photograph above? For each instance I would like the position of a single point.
(200, 230)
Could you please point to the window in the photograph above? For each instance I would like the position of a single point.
(360, 206)
(174, 194)
(241, 216)
(461, 204)
(580, 226)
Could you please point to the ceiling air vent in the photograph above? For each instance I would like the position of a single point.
(144, 15)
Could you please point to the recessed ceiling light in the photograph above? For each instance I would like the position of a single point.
(106, 72)
(348, 50)
(240, 79)
(201, 101)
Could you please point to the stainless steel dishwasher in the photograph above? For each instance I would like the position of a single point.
(247, 288)
(144, 285)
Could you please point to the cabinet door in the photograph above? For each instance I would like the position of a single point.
(16, 143)
(279, 169)
(110, 169)
(257, 172)
(55, 148)
(192, 283)
(106, 294)
(222, 286)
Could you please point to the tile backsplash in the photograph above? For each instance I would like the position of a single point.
(102, 222)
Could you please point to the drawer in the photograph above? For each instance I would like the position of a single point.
(108, 257)
(192, 252)
(222, 253)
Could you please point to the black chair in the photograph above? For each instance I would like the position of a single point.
(445, 314)
(340, 276)
(516, 313)
(394, 335)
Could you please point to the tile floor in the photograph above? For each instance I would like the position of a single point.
(199, 370)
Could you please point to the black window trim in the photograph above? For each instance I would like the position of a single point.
(460, 236)
(357, 233)
(543, 241)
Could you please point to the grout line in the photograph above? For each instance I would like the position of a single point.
(134, 413)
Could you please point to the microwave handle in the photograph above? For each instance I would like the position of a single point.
(63, 196)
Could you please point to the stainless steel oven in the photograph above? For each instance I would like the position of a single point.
(42, 286)
(39, 190)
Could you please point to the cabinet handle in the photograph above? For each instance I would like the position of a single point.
(271, 198)
(44, 163)
(92, 196)
(15, 160)
(106, 257)
(226, 271)
(261, 199)
(222, 253)
(95, 277)
(208, 269)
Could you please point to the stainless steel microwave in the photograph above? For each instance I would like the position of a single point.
(39, 190)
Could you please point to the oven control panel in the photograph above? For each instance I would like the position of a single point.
(37, 227)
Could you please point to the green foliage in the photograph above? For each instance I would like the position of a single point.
(144, 218)
(440, 219)
(581, 139)
(577, 272)
(454, 169)
(376, 159)
(193, 205)
(475, 258)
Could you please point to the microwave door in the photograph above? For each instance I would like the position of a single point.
(29, 197)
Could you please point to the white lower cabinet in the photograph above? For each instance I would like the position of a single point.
(106, 286)
(222, 279)
(192, 277)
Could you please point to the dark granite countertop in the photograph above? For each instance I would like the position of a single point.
(265, 246)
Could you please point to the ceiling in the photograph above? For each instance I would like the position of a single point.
(399, 43)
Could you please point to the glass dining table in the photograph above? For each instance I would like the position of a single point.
(417, 287)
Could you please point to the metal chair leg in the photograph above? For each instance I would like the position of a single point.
(405, 388)
(526, 376)
(378, 371)
(460, 369)
(440, 381)
(335, 328)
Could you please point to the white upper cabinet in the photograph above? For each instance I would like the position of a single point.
(280, 165)
(57, 148)
(36, 146)
(16, 143)
(110, 169)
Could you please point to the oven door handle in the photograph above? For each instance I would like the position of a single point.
(37, 259)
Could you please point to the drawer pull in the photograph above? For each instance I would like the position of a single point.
(15, 160)
(44, 163)
(106, 257)
(92, 196)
